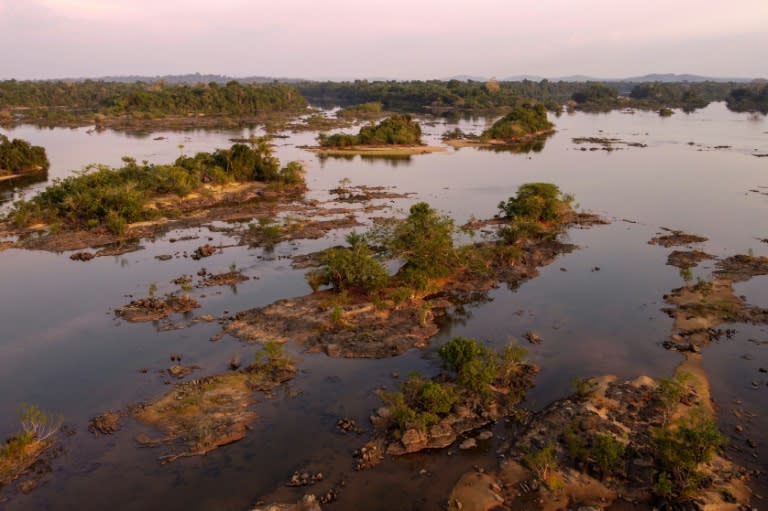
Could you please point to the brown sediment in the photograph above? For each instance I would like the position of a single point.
(375, 150)
(105, 424)
(307, 503)
(676, 238)
(687, 259)
(363, 193)
(701, 308)
(230, 278)
(740, 268)
(211, 412)
(152, 309)
(606, 143)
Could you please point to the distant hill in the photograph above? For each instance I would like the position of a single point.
(671, 77)
(193, 78)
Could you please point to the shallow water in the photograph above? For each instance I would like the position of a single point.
(62, 348)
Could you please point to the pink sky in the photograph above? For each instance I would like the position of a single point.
(373, 38)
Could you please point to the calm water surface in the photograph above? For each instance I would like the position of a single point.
(62, 348)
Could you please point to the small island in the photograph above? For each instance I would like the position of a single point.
(19, 158)
(525, 123)
(102, 205)
(398, 135)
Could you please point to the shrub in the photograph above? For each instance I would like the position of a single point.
(679, 451)
(425, 242)
(542, 462)
(420, 403)
(353, 267)
(537, 202)
(608, 453)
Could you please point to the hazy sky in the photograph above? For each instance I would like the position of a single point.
(373, 38)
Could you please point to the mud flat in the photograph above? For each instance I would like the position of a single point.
(375, 150)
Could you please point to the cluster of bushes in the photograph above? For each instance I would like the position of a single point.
(361, 111)
(473, 370)
(424, 243)
(523, 120)
(18, 156)
(678, 449)
(394, 130)
(749, 99)
(108, 197)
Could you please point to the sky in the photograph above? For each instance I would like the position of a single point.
(398, 39)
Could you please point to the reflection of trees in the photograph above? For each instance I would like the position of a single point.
(392, 160)
(535, 145)
(10, 187)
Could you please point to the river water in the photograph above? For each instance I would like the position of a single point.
(597, 309)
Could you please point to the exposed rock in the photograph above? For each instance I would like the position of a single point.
(307, 503)
(740, 268)
(469, 443)
(82, 256)
(677, 238)
(105, 424)
(225, 279)
(152, 308)
(203, 251)
(687, 259)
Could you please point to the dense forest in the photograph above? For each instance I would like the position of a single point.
(18, 156)
(101, 102)
(749, 99)
(437, 96)
(394, 130)
(66, 100)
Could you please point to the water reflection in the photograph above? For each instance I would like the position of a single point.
(11, 189)
(390, 160)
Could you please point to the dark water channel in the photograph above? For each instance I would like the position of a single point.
(62, 349)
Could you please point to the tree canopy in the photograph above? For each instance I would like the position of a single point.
(18, 156)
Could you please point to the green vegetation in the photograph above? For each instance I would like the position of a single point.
(536, 202)
(749, 99)
(394, 130)
(362, 111)
(353, 267)
(523, 120)
(420, 402)
(671, 391)
(652, 95)
(475, 372)
(596, 96)
(111, 198)
(18, 156)
(476, 367)
(18, 452)
(679, 452)
(542, 462)
(55, 102)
